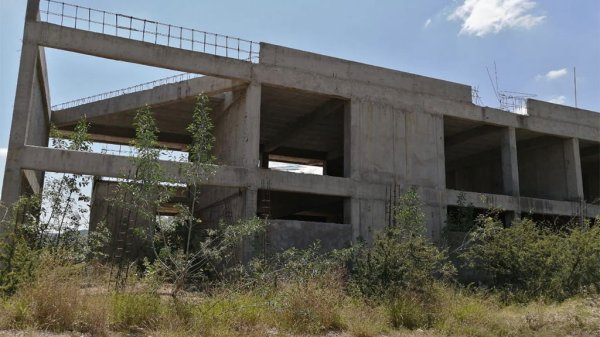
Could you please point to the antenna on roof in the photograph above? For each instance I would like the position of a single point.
(575, 84)
(508, 100)
(492, 81)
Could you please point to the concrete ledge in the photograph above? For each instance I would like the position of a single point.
(155, 96)
(482, 200)
(562, 113)
(104, 165)
(524, 204)
(355, 71)
(122, 49)
(552, 207)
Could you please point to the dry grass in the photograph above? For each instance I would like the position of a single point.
(311, 306)
(62, 302)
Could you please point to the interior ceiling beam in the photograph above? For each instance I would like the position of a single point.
(302, 124)
(156, 96)
(299, 153)
(540, 141)
(469, 135)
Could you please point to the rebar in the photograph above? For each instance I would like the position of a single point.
(73, 16)
(129, 90)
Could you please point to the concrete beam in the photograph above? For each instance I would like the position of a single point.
(173, 58)
(118, 48)
(550, 207)
(156, 96)
(469, 135)
(302, 124)
(483, 200)
(95, 164)
(524, 204)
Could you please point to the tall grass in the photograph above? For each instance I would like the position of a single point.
(315, 307)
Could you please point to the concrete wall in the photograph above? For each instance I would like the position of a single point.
(591, 181)
(542, 169)
(481, 173)
(221, 203)
(284, 234)
(396, 146)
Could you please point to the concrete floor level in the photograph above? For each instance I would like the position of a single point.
(375, 133)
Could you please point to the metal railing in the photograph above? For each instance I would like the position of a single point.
(126, 26)
(515, 102)
(129, 90)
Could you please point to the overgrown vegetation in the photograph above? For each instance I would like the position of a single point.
(533, 280)
(529, 261)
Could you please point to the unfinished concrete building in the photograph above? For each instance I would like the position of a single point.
(373, 132)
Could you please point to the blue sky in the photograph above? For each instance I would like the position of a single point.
(535, 44)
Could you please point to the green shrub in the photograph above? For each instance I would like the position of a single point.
(527, 261)
(401, 258)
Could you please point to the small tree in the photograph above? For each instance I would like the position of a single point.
(63, 201)
(51, 221)
(181, 253)
(190, 252)
(139, 196)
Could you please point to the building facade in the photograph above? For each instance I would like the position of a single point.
(375, 132)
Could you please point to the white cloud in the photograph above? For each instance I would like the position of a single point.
(3, 152)
(554, 74)
(558, 99)
(427, 23)
(482, 17)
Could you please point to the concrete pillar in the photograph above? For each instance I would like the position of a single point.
(252, 125)
(250, 202)
(351, 139)
(574, 178)
(440, 223)
(351, 165)
(352, 217)
(13, 177)
(510, 170)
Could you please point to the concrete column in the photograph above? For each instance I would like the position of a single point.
(436, 229)
(352, 217)
(13, 178)
(351, 139)
(574, 180)
(250, 202)
(351, 165)
(252, 125)
(510, 170)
